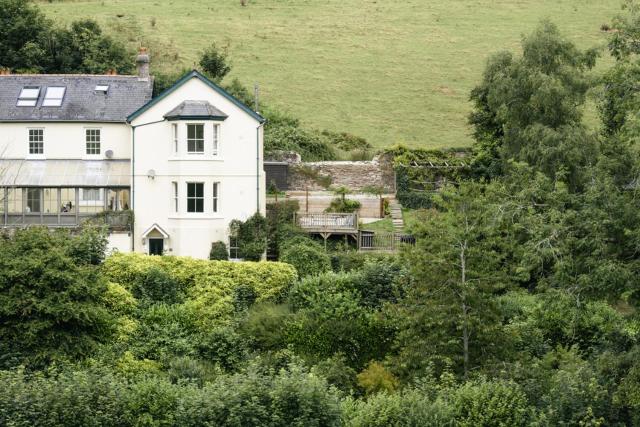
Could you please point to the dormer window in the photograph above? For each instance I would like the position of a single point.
(102, 88)
(28, 96)
(53, 97)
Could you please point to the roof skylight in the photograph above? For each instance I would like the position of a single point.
(102, 88)
(28, 96)
(54, 96)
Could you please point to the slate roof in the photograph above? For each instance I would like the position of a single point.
(81, 102)
(195, 110)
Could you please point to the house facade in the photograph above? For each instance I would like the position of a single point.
(166, 174)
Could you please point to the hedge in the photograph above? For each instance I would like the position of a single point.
(209, 286)
(269, 280)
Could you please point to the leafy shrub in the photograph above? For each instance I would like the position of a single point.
(265, 324)
(156, 285)
(269, 280)
(97, 397)
(252, 237)
(376, 378)
(309, 259)
(409, 408)
(165, 331)
(490, 403)
(219, 251)
(51, 300)
(337, 372)
(337, 323)
(343, 205)
(223, 346)
(311, 146)
(346, 141)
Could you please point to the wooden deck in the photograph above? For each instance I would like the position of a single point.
(328, 223)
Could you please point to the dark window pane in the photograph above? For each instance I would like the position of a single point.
(199, 205)
(199, 190)
(191, 205)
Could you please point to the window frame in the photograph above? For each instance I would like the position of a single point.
(195, 139)
(53, 102)
(40, 143)
(28, 101)
(96, 143)
(215, 138)
(175, 189)
(195, 197)
(28, 191)
(175, 136)
(216, 197)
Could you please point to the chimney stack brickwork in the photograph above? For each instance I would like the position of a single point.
(142, 62)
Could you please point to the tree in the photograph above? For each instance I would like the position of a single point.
(22, 27)
(50, 299)
(449, 315)
(213, 62)
(528, 108)
(31, 43)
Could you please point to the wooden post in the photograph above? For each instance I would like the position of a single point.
(307, 199)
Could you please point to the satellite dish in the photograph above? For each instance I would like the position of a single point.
(151, 174)
(109, 154)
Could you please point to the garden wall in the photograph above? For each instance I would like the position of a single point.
(317, 176)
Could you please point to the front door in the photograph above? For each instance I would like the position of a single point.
(156, 246)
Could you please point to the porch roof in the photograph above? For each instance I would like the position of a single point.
(65, 173)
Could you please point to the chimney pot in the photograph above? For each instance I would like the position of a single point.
(5, 71)
(112, 72)
(142, 62)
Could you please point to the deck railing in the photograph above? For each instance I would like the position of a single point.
(328, 222)
(384, 241)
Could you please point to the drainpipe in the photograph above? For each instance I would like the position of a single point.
(258, 168)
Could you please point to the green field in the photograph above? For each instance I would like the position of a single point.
(389, 70)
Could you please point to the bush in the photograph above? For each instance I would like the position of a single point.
(376, 378)
(309, 259)
(490, 403)
(51, 301)
(410, 408)
(343, 205)
(100, 398)
(157, 286)
(269, 280)
(252, 237)
(219, 251)
(265, 326)
(311, 146)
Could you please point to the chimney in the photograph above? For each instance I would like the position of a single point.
(5, 71)
(142, 62)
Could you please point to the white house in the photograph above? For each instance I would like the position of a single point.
(75, 147)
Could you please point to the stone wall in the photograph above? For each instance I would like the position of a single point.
(317, 176)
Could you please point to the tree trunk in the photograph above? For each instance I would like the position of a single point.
(465, 309)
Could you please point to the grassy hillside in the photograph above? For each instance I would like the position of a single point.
(389, 70)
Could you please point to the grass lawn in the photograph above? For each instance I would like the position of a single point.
(382, 226)
(391, 71)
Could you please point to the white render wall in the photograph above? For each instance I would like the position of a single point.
(119, 242)
(64, 140)
(237, 167)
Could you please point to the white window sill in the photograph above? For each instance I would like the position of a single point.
(196, 158)
(36, 157)
(197, 216)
